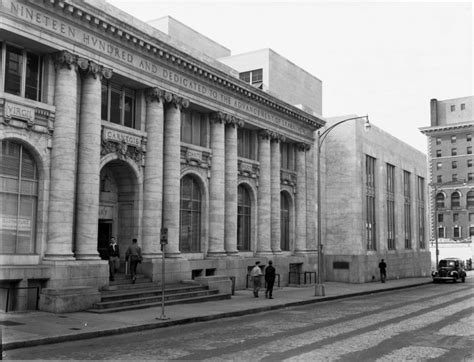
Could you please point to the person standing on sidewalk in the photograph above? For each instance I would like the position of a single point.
(269, 279)
(114, 258)
(383, 271)
(255, 273)
(134, 253)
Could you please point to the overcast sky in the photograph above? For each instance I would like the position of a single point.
(384, 59)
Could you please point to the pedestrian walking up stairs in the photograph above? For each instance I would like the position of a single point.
(123, 295)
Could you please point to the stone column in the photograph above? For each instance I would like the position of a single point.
(231, 185)
(275, 187)
(63, 160)
(88, 166)
(172, 171)
(217, 186)
(311, 232)
(300, 246)
(264, 195)
(153, 175)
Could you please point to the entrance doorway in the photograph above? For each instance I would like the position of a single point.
(103, 239)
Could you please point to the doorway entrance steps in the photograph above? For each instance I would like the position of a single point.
(122, 295)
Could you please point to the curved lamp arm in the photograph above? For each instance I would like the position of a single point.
(322, 136)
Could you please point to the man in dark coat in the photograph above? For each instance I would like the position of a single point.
(383, 271)
(114, 258)
(269, 279)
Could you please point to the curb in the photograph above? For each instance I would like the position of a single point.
(155, 325)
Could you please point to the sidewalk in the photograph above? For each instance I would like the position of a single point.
(28, 329)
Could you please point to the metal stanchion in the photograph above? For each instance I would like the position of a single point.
(163, 242)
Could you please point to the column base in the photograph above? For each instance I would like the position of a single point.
(234, 253)
(152, 256)
(277, 252)
(319, 290)
(264, 253)
(59, 258)
(173, 255)
(88, 257)
(301, 252)
(216, 254)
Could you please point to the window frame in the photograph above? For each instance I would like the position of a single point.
(123, 92)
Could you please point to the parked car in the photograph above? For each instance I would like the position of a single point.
(449, 269)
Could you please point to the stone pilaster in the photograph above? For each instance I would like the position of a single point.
(153, 175)
(63, 161)
(217, 187)
(275, 189)
(264, 195)
(301, 198)
(311, 232)
(172, 171)
(88, 166)
(231, 185)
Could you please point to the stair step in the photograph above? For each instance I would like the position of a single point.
(199, 299)
(137, 293)
(133, 300)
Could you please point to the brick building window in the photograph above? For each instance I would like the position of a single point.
(390, 207)
(194, 128)
(453, 139)
(470, 199)
(469, 150)
(455, 200)
(440, 200)
(438, 153)
(370, 202)
(246, 143)
(118, 104)
(454, 152)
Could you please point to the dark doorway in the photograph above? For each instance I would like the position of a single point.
(103, 239)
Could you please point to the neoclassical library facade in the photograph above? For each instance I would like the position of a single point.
(108, 128)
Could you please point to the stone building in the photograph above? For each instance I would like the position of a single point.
(451, 168)
(109, 127)
(374, 204)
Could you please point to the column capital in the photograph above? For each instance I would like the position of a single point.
(155, 94)
(277, 138)
(234, 121)
(218, 117)
(64, 58)
(176, 101)
(303, 147)
(88, 67)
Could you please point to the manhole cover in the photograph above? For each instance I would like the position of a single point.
(10, 323)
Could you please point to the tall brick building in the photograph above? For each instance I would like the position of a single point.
(451, 168)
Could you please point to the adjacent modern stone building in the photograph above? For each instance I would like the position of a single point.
(374, 204)
(109, 127)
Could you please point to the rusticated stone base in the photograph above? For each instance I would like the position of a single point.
(67, 300)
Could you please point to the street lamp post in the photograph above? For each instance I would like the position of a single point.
(436, 223)
(319, 289)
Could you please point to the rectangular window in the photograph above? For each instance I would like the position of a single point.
(469, 150)
(471, 217)
(438, 153)
(118, 104)
(463, 106)
(453, 139)
(246, 143)
(407, 208)
(469, 163)
(194, 128)
(455, 217)
(23, 72)
(390, 207)
(370, 202)
(439, 165)
(471, 231)
(438, 141)
(441, 233)
(254, 77)
(421, 212)
(453, 108)
(439, 179)
(457, 232)
(469, 137)
(287, 156)
(454, 152)
(470, 176)
(454, 177)
(454, 164)
(440, 217)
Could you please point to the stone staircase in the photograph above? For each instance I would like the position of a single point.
(122, 295)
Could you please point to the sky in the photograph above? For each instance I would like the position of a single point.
(384, 59)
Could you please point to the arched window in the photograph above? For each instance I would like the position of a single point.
(284, 222)
(190, 216)
(470, 199)
(244, 212)
(455, 200)
(18, 199)
(440, 200)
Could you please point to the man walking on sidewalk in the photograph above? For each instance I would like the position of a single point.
(383, 271)
(269, 279)
(255, 274)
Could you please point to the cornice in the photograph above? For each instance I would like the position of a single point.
(450, 127)
(107, 24)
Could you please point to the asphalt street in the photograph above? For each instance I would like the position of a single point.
(430, 322)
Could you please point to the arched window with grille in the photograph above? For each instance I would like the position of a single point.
(470, 199)
(190, 216)
(244, 216)
(440, 200)
(455, 200)
(18, 199)
(284, 222)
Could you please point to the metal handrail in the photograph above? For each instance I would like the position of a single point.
(16, 288)
(307, 275)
